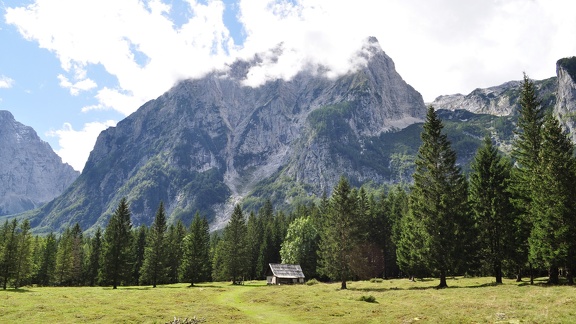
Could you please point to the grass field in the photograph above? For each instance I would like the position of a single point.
(467, 300)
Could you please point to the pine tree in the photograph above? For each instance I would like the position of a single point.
(176, 235)
(553, 236)
(94, 257)
(492, 209)
(138, 248)
(155, 263)
(8, 251)
(337, 235)
(255, 236)
(235, 253)
(526, 152)
(436, 233)
(196, 266)
(24, 257)
(116, 246)
(46, 273)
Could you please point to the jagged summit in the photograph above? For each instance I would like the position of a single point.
(31, 174)
(212, 142)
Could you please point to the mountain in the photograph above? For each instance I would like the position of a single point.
(565, 107)
(31, 174)
(499, 100)
(210, 143)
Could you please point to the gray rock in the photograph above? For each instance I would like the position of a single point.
(31, 173)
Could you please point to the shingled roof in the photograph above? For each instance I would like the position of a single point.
(286, 270)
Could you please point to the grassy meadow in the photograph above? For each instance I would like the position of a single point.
(467, 300)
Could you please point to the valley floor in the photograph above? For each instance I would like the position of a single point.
(466, 300)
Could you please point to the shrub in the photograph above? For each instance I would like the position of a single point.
(312, 282)
(368, 299)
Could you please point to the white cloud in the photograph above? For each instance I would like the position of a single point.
(6, 82)
(75, 146)
(439, 46)
(75, 88)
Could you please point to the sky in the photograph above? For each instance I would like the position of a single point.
(72, 68)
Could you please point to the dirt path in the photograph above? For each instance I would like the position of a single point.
(257, 312)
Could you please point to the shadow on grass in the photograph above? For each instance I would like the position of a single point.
(17, 290)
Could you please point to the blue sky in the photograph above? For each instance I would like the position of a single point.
(71, 68)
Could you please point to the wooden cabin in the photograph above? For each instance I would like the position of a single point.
(280, 274)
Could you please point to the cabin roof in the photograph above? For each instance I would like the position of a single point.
(286, 270)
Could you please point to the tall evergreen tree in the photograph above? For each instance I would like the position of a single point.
(155, 263)
(492, 209)
(337, 237)
(46, 273)
(8, 251)
(138, 248)
(23, 260)
(437, 232)
(94, 256)
(116, 246)
(176, 234)
(235, 252)
(255, 231)
(196, 265)
(553, 236)
(526, 152)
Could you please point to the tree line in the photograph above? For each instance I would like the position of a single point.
(512, 216)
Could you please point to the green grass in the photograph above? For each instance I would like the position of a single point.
(467, 300)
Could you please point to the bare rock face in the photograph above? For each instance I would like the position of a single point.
(210, 143)
(31, 173)
(500, 100)
(565, 108)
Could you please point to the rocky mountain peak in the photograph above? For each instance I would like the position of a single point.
(31, 174)
(565, 108)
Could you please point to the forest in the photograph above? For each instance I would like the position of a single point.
(511, 216)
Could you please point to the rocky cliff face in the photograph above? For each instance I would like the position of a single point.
(207, 144)
(565, 107)
(500, 100)
(31, 173)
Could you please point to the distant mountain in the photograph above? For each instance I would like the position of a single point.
(210, 143)
(565, 107)
(31, 174)
(499, 100)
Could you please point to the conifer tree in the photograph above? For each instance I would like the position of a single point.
(24, 257)
(436, 233)
(337, 237)
(46, 273)
(155, 263)
(254, 236)
(235, 253)
(8, 251)
(95, 254)
(116, 246)
(492, 209)
(138, 248)
(196, 265)
(526, 152)
(176, 234)
(553, 236)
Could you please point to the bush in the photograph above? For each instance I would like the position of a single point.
(312, 282)
(378, 280)
(368, 299)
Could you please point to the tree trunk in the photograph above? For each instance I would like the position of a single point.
(519, 275)
(569, 276)
(553, 275)
(343, 286)
(531, 274)
(443, 283)
(498, 273)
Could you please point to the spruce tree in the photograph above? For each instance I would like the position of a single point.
(526, 152)
(46, 273)
(24, 256)
(255, 236)
(116, 246)
(94, 258)
(235, 253)
(437, 229)
(553, 236)
(176, 235)
(337, 236)
(155, 263)
(138, 248)
(196, 265)
(8, 251)
(492, 209)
